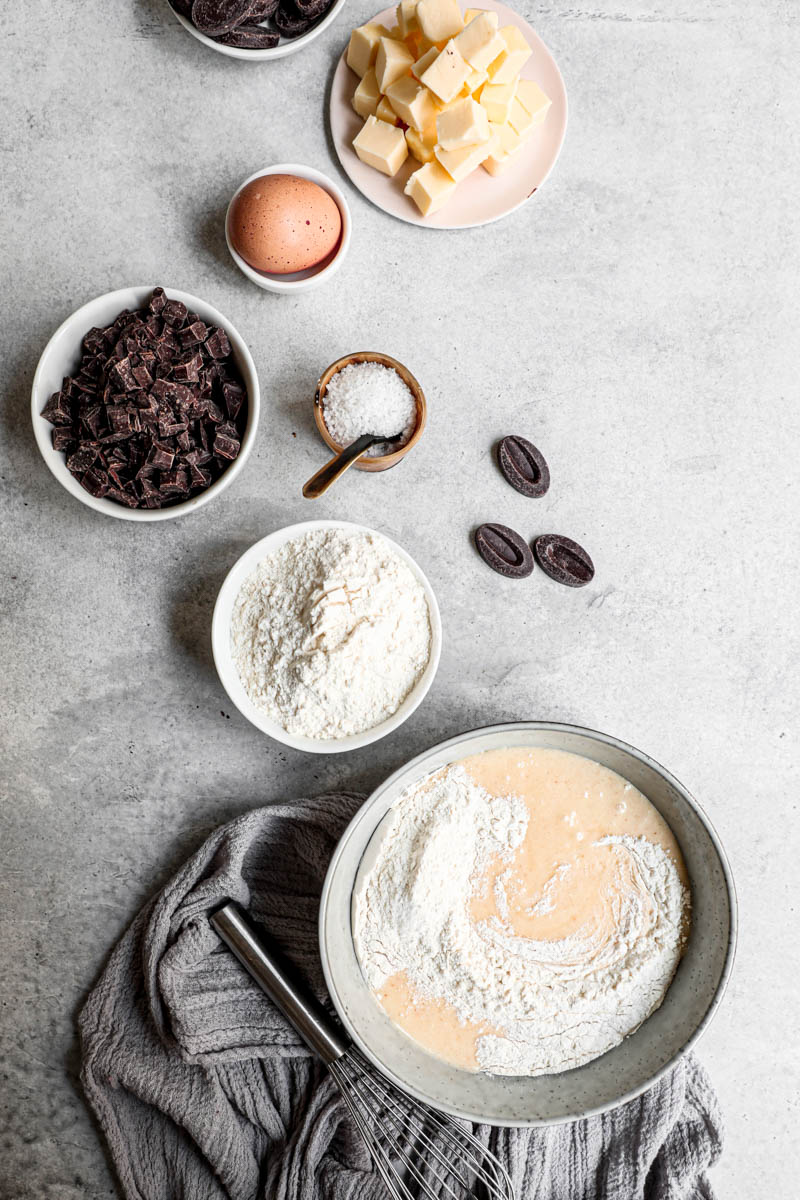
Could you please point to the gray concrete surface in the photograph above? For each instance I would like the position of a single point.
(638, 320)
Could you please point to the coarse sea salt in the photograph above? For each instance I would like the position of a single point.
(367, 397)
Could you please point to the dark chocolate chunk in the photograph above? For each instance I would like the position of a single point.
(219, 16)
(174, 313)
(249, 37)
(218, 345)
(194, 333)
(157, 300)
(523, 466)
(174, 483)
(63, 439)
(563, 560)
(83, 458)
(288, 21)
(58, 410)
(504, 550)
(225, 446)
(96, 482)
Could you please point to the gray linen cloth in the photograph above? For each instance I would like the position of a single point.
(204, 1092)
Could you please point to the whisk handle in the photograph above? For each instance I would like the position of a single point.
(319, 1031)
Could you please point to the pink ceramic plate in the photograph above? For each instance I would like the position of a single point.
(480, 198)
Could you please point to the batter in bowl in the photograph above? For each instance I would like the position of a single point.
(525, 911)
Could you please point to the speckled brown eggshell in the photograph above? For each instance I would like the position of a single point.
(281, 224)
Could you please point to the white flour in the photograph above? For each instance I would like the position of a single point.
(331, 633)
(558, 1003)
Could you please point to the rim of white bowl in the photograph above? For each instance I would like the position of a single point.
(302, 281)
(127, 297)
(459, 741)
(284, 47)
(229, 675)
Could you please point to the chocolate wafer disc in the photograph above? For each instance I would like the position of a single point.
(249, 37)
(288, 21)
(219, 16)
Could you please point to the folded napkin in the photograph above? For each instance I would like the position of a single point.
(205, 1093)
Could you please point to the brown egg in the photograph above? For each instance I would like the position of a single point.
(282, 223)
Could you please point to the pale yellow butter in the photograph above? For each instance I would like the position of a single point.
(447, 74)
(463, 124)
(497, 99)
(533, 99)
(367, 95)
(507, 145)
(439, 19)
(381, 145)
(407, 17)
(520, 119)
(421, 143)
(421, 65)
(480, 42)
(412, 102)
(385, 112)
(461, 163)
(475, 81)
(391, 62)
(430, 187)
(363, 46)
(515, 53)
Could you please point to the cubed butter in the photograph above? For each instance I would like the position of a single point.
(475, 81)
(464, 124)
(366, 95)
(392, 61)
(460, 163)
(471, 13)
(363, 47)
(430, 187)
(439, 19)
(497, 99)
(515, 53)
(448, 72)
(507, 144)
(381, 145)
(479, 43)
(412, 102)
(407, 17)
(385, 112)
(533, 100)
(520, 119)
(421, 143)
(421, 65)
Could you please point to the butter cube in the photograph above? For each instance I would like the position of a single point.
(464, 124)
(480, 43)
(412, 102)
(421, 143)
(533, 100)
(516, 52)
(507, 144)
(520, 119)
(439, 19)
(475, 81)
(448, 72)
(407, 17)
(366, 95)
(381, 145)
(497, 99)
(392, 61)
(363, 47)
(430, 187)
(460, 163)
(471, 13)
(421, 65)
(385, 112)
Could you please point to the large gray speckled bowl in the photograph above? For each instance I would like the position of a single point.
(613, 1078)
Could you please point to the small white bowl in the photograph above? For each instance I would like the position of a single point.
(285, 45)
(61, 357)
(299, 281)
(229, 674)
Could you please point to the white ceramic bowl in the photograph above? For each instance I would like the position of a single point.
(229, 675)
(299, 281)
(285, 45)
(615, 1077)
(61, 357)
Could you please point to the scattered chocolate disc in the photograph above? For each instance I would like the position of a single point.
(260, 10)
(563, 560)
(288, 21)
(249, 37)
(523, 466)
(504, 550)
(219, 16)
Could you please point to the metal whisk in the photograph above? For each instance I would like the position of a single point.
(418, 1152)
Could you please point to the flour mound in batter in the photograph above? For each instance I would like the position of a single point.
(439, 915)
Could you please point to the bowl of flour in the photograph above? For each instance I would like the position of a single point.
(528, 924)
(326, 636)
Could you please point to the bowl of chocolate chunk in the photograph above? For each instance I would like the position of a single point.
(288, 228)
(145, 403)
(256, 29)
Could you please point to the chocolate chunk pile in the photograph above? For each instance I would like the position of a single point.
(155, 412)
(239, 22)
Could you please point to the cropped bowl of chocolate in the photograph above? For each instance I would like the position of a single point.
(288, 227)
(145, 403)
(257, 30)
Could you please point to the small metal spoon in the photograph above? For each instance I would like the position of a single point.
(337, 466)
